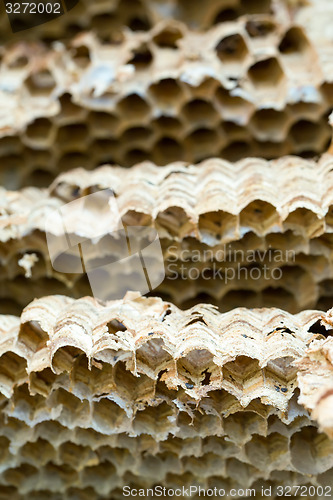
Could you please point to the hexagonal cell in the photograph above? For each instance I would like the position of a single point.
(134, 108)
(260, 28)
(74, 137)
(167, 150)
(217, 227)
(39, 133)
(266, 73)
(256, 6)
(304, 221)
(141, 58)
(232, 49)
(135, 156)
(10, 145)
(73, 160)
(234, 132)
(102, 124)
(226, 14)
(202, 143)
(294, 43)
(69, 112)
(40, 83)
(104, 149)
(81, 55)
(233, 107)
(103, 24)
(237, 375)
(272, 452)
(270, 150)
(168, 125)
(174, 221)
(200, 113)
(309, 450)
(310, 138)
(259, 217)
(327, 91)
(236, 150)
(137, 136)
(166, 92)
(270, 124)
(40, 178)
(306, 110)
(153, 357)
(168, 37)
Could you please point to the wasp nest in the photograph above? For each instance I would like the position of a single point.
(136, 392)
(218, 114)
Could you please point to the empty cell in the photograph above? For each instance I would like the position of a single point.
(175, 221)
(81, 55)
(270, 124)
(260, 28)
(259, 217)
(10, 145)
(234, 132)
(139, 23)
(234, 108)
(236, 150)
(266, 73)
(255, 6)
(168, 125)
(217, 227)
(308, 135)
(202, 143)
(141, 58)
(103, 24)
(166, 91)
(69, 112)
(73, 160)
(168, 37)
(306, 110)
(133, 107)
(232, 49)
(102, 124)
(101, 149)
(135, 156)
(136, 135)
(167, 150)
(294, 43)
(269, 149)
(73, 136)
(225, 15)
(40, 178)
(39, 132)
(327, 92)
(40, 83)
(304, 221)
(310, 450)
(18, 475)
(200, 112)
(19, 61)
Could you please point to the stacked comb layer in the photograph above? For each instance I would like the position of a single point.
(262, 86)
(216, 223)
(136, 392)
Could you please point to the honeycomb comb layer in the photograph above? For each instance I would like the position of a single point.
(214, 216)
(136, 392)
(108, 19)
(238, 98)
